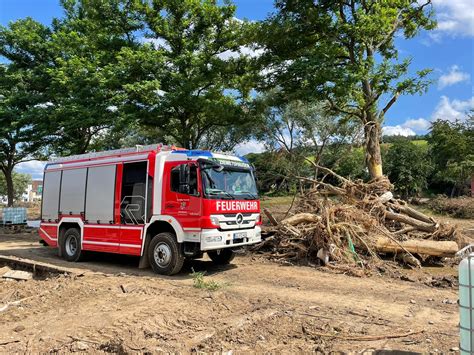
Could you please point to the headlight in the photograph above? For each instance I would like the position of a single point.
(214, 238)
(214, 220)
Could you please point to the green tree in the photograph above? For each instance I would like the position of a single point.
(84, 89)
(451, 146)
(304, 131)
(20, 183)
(172, 67)
(408, 166)
(23, 83)
(344, 52)
(346, 160)
(194, 84)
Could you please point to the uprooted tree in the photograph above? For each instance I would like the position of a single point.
(344, 53)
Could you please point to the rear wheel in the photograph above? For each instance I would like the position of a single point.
(71, 245)
(165, 255)
(221, 257)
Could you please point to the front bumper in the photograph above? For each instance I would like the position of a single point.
(213, 239)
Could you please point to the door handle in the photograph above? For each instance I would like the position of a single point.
(171, 204)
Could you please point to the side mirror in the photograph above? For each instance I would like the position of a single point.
(184, 179)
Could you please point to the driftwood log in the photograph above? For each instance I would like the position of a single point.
(301, 218)
(445, 248)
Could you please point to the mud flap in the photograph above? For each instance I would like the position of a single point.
(60, 249)
(144, 263)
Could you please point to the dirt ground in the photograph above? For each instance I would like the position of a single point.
(107, 304)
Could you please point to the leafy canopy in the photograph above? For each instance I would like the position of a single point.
(408, 166)
(344, 53)
(452, 151)
(186, 77)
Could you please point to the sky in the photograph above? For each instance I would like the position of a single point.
(448, 50)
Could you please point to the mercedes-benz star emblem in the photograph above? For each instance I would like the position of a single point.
(239, 218)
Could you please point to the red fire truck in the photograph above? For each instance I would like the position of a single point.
(161, 203)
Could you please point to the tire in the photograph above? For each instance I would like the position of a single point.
(222, 256)
(164, 254)
(71, 245)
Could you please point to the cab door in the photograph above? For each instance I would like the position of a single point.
(182, 194)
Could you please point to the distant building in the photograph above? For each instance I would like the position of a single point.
(33, 191)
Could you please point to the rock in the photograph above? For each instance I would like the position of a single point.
(412, 301)
(18, 275)
(82, 346)
(19, 328)
(454, 348)
(448, 301)
(428, 340)
(261, 337)
(430, 322)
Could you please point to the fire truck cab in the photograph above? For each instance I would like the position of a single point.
(161, 203)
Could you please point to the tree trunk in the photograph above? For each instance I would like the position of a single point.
(301, 218)
(444, 248)
(422, 226)
(10, 190)
(373, 157)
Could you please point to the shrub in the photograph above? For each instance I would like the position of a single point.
(461, 207)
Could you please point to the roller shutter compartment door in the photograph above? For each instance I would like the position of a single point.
(73, 187)
(100, 194)
(50, 202)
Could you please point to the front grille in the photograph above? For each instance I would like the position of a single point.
(230, 215)
(232, 223)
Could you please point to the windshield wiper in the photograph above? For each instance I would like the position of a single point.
(252, 196)
(217, 192)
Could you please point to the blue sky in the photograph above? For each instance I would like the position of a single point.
(448, 50)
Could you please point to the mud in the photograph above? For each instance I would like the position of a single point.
(107, 304)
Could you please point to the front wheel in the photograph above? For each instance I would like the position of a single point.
(221, 257)
(165, 255)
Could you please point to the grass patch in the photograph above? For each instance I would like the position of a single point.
(276, 201)
(199, 282)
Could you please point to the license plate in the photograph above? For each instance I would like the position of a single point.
(240, 235)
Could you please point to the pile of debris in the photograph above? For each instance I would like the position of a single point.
(356, 223)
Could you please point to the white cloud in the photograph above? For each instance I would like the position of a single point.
(453, 77)
(251, 146)
(397, 131)
(416, 125)
(44, 105)
(452, 109)
(243, 51)
(34, 168)
(446, 109)
(160, 93)
(455, 17)
(157, 43)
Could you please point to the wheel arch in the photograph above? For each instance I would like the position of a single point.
(155, 227)
(64, 225)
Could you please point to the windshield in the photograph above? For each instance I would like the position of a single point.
(229, 183)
